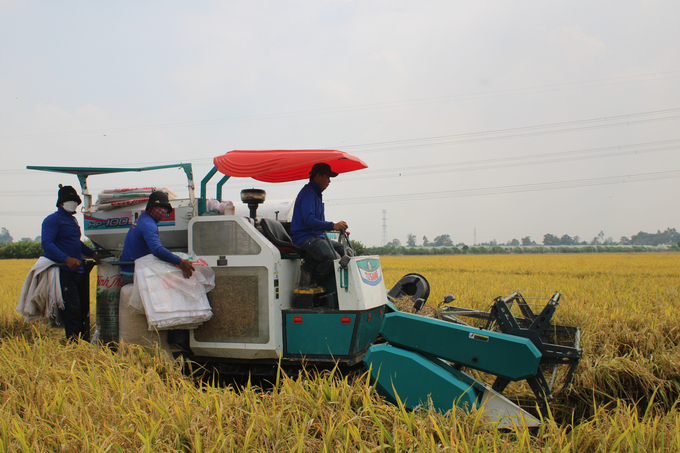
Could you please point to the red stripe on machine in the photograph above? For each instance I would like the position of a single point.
(297, 319)
(345, 320)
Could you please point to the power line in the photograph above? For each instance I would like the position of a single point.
(475, 136)
(379, 105)
(458, 167)
(523, 131)
(518, 161)
(623, 179)
(554, 185)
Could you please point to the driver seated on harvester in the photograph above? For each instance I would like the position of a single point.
(308, 227)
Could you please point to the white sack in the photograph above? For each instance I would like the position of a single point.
(169, 300)
(40, 297)
(133, 328)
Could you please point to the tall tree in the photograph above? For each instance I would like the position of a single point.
(359, 248)
(598, 240)
(443, 241)
(411, 240)
(550, 239)
(5, 236)
(666, 237)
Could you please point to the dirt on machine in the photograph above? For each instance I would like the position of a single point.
(265, 315)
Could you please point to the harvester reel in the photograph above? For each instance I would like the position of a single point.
(539, 330)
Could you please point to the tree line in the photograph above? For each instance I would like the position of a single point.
(670, 236)
(551, 243)
(443, 245)
(502, 249)
(25, 248)
(21, 249)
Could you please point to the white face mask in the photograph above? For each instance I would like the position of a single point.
(70, 206)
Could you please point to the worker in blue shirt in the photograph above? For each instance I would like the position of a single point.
(309, 224)
(142, 239)
(60, 237)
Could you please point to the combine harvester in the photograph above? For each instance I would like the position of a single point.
(263, 318)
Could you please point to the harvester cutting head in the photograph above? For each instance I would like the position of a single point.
(558, 344)
(438, 346)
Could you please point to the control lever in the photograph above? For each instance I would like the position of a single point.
(344, 261)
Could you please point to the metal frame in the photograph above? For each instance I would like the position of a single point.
(83, 172)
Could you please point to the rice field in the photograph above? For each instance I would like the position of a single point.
(62, 397)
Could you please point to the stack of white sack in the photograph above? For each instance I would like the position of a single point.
(169, 300)
(40, 297)
(116, 198)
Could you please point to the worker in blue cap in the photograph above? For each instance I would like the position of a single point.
(308, 227)
(142, 239)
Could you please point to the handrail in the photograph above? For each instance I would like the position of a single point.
(204, 183)
(219, 187)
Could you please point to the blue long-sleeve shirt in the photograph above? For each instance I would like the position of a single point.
(142, 239)
(309, 219)
(60, 238)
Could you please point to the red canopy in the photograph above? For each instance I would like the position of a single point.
(283, 165)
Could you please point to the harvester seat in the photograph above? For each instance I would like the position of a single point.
(277, 235)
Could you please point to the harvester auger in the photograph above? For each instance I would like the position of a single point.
(535, 327)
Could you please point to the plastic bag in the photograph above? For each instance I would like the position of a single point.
(133, 328)
(169, 300)
(222, 208)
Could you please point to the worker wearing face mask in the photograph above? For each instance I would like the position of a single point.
(61, 243)
(143, 238)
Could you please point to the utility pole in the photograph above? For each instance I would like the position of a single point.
(384, 226)
(474, 240)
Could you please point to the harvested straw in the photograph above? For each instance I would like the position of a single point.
(405, 304)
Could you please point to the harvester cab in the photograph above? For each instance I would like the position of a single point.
(265, 316)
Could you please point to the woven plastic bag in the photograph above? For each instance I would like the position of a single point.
(134, 331)
(169, 300)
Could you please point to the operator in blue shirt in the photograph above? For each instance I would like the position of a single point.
(309, 224)
(142, 239)
(60, 237)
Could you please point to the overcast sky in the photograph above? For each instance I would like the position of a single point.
(510, 119)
